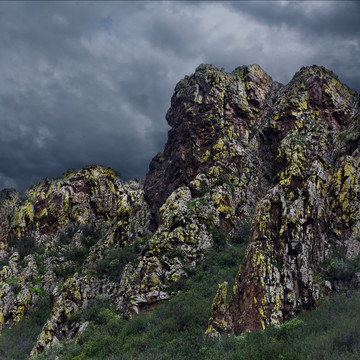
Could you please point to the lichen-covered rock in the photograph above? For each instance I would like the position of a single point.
(213, 117)
(208, 177)
(241, 148)
(58, 231)
(220, 321)
(312, 207)
(73, 296)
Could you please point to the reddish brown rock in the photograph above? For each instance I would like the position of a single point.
(313, 206)
(208, 110)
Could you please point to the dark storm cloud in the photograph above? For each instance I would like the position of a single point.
(90, 82)
(66, 103)
(331, 29)
(330, 18)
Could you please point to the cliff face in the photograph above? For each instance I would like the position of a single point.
(311, 134)
(290, 155)
(242, 148)
(214, 117)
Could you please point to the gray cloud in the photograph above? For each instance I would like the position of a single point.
(329, 18)
(90, 82)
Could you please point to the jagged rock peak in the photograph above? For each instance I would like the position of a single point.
(311, 139)
(210, 110)
(209, 103)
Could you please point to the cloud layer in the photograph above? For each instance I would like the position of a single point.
(90, 82)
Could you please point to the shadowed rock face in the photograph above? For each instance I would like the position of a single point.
(241, 147)
(210, 112)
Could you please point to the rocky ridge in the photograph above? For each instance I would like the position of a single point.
(242, 148)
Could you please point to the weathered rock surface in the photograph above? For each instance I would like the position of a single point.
(214, 117)
(209, 176)
(241, 148)
(312, 207)
(59, 230)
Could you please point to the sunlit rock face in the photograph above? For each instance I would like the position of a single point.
(242, 148)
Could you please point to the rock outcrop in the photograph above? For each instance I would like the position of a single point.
(56, 234)
(242, 148)
(289, 151)
(312, 207)
(214, 117)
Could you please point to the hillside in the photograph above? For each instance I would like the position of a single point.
(247, 159)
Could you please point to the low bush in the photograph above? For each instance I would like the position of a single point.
(17, 342)
(242, 232)
(114, 261)
(4, 262)
(24, 246)
(339, 267)
(219, 237)
(65, 271)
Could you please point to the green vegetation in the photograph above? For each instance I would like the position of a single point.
(241, 232)
(338, 267)
(4, 262)
(115, 259)
(75, 256)
(194, 203)
(15, 285)
(17, 342)
(175, 330)
(24, 246)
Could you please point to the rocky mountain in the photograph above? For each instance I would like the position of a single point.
(242, 149)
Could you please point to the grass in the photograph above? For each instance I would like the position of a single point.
(175, 329)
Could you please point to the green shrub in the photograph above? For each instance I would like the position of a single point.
(4, 262)
(338, 267)
(17, 342)
(65, 238)
(90, 235)
(174, 253)
(114, 261)
(37, 291)
(14, 285)
(242, 232)
(39, 259)
(76, 254)
(24, 246)
(65, 271)
(219, 237)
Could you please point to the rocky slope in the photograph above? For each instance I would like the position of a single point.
(53, 238)
(242, 148)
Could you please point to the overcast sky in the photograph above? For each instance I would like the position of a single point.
(90, 82)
